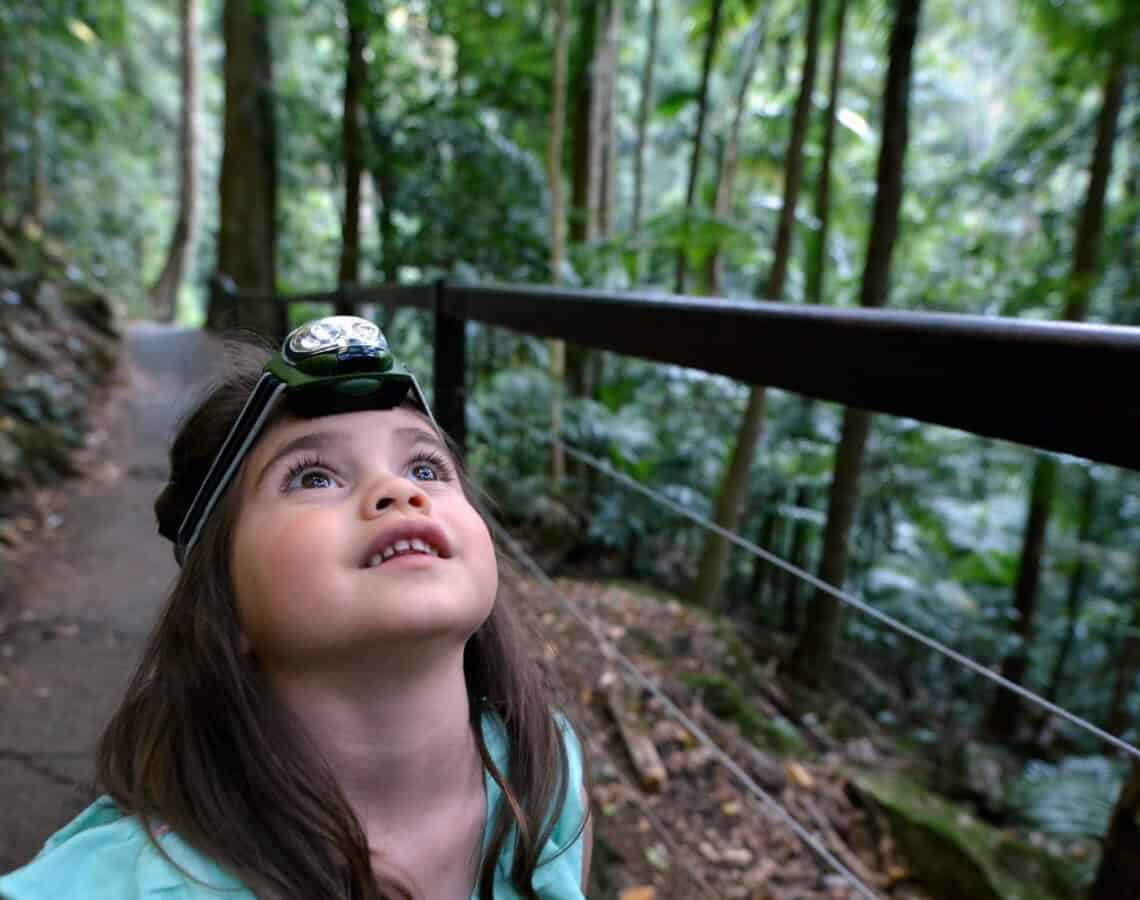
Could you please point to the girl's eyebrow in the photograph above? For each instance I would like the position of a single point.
(414, 435)
(312, 440)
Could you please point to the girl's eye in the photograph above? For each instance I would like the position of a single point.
(308, 475)
(430, 467)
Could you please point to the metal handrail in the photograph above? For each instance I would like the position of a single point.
(1060, 386)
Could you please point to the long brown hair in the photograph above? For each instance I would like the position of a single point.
(201, 743)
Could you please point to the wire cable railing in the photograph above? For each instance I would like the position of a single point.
(610, 650)
(842, 596)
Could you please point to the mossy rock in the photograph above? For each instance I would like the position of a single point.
(955, 855)
(725, 700)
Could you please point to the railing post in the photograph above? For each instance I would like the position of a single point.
(450, 370)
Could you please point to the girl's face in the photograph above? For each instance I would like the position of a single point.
(354, 534)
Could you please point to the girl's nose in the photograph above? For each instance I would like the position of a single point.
(393, 492)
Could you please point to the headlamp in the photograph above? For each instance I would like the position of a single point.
(332, 365)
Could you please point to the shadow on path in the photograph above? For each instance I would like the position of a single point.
(85, 598)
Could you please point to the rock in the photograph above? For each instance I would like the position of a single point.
(951, 853)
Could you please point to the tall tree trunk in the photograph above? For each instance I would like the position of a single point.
(557, 235)
(773, 289)
(1000, 722)
(352, 146)
(726, 177)
(1076, 587)
(247, 234)
(1127, 665)
(796, 554)
(607, 118)
(164, 292)
(712, 36)
(811, 659)
(381, 165)
(1119, 870)
(817, 259)
(710, 570)
(1004, 713)
(645, 104)
(37, 210)
(584, 197)
(732, 490)
(1091, 227)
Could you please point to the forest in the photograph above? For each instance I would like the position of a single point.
(922, 155)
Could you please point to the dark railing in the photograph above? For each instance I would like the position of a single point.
(1072, 388)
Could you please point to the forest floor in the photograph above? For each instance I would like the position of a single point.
(688, 828)
(87, 584)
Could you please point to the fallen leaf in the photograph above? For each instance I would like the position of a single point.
(799, 776)
(641, 892)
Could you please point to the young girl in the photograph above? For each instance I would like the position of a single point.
(333, 704)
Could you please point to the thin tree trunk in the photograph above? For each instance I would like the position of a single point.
(37, 210)
(791, 620)
(1119, 870)
(247, 234)
(811, 659)
(1076, 588)
(710, 571)
(584, 198)
(352, 146)
(726, 177)
(818, 258)
(794, 161)
(1001, 719)
(164, 292)
(1091, 227)
(757, 589)
(732, 490)
(711, 39)
(1003, 716)
(557, 235)
(607, 116)
(1127, 664)
(645, 104)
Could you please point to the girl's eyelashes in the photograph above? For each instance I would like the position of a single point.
(429, 465)
(308, 473)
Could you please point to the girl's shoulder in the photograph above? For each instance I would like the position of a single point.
(559, 873)
(103, 854)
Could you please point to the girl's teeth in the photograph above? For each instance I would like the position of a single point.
(415, 544)
(375, 561)
(401, 546)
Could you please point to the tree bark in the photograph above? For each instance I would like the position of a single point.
(607, 119)
(645, 104)
(1127, 664)
(557, 236)
(1001, 720)
(164, 292)
(352, 147)
(773, 289)
(791, 619)
(711, 39)
(726, 177)
(811, 659)
(1119, 870)
(1076, 588)
(1003, 716)
(584, 196)
(817, 262)
(247, 234)
(1091, 227)
(710, 570)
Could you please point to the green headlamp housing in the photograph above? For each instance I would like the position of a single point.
(333, 365)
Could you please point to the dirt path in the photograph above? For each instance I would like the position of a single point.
(85, 597)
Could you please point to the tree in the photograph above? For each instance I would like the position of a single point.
(645, 103)
(1003, 715)
(1119, 870)
(557, 232)
(711, 38)
(810, 661)
(164, 291)
(247, 233)
(714, 556)
(726, 174)
(352, 145)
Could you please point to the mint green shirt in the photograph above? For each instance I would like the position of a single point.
(103, 854)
